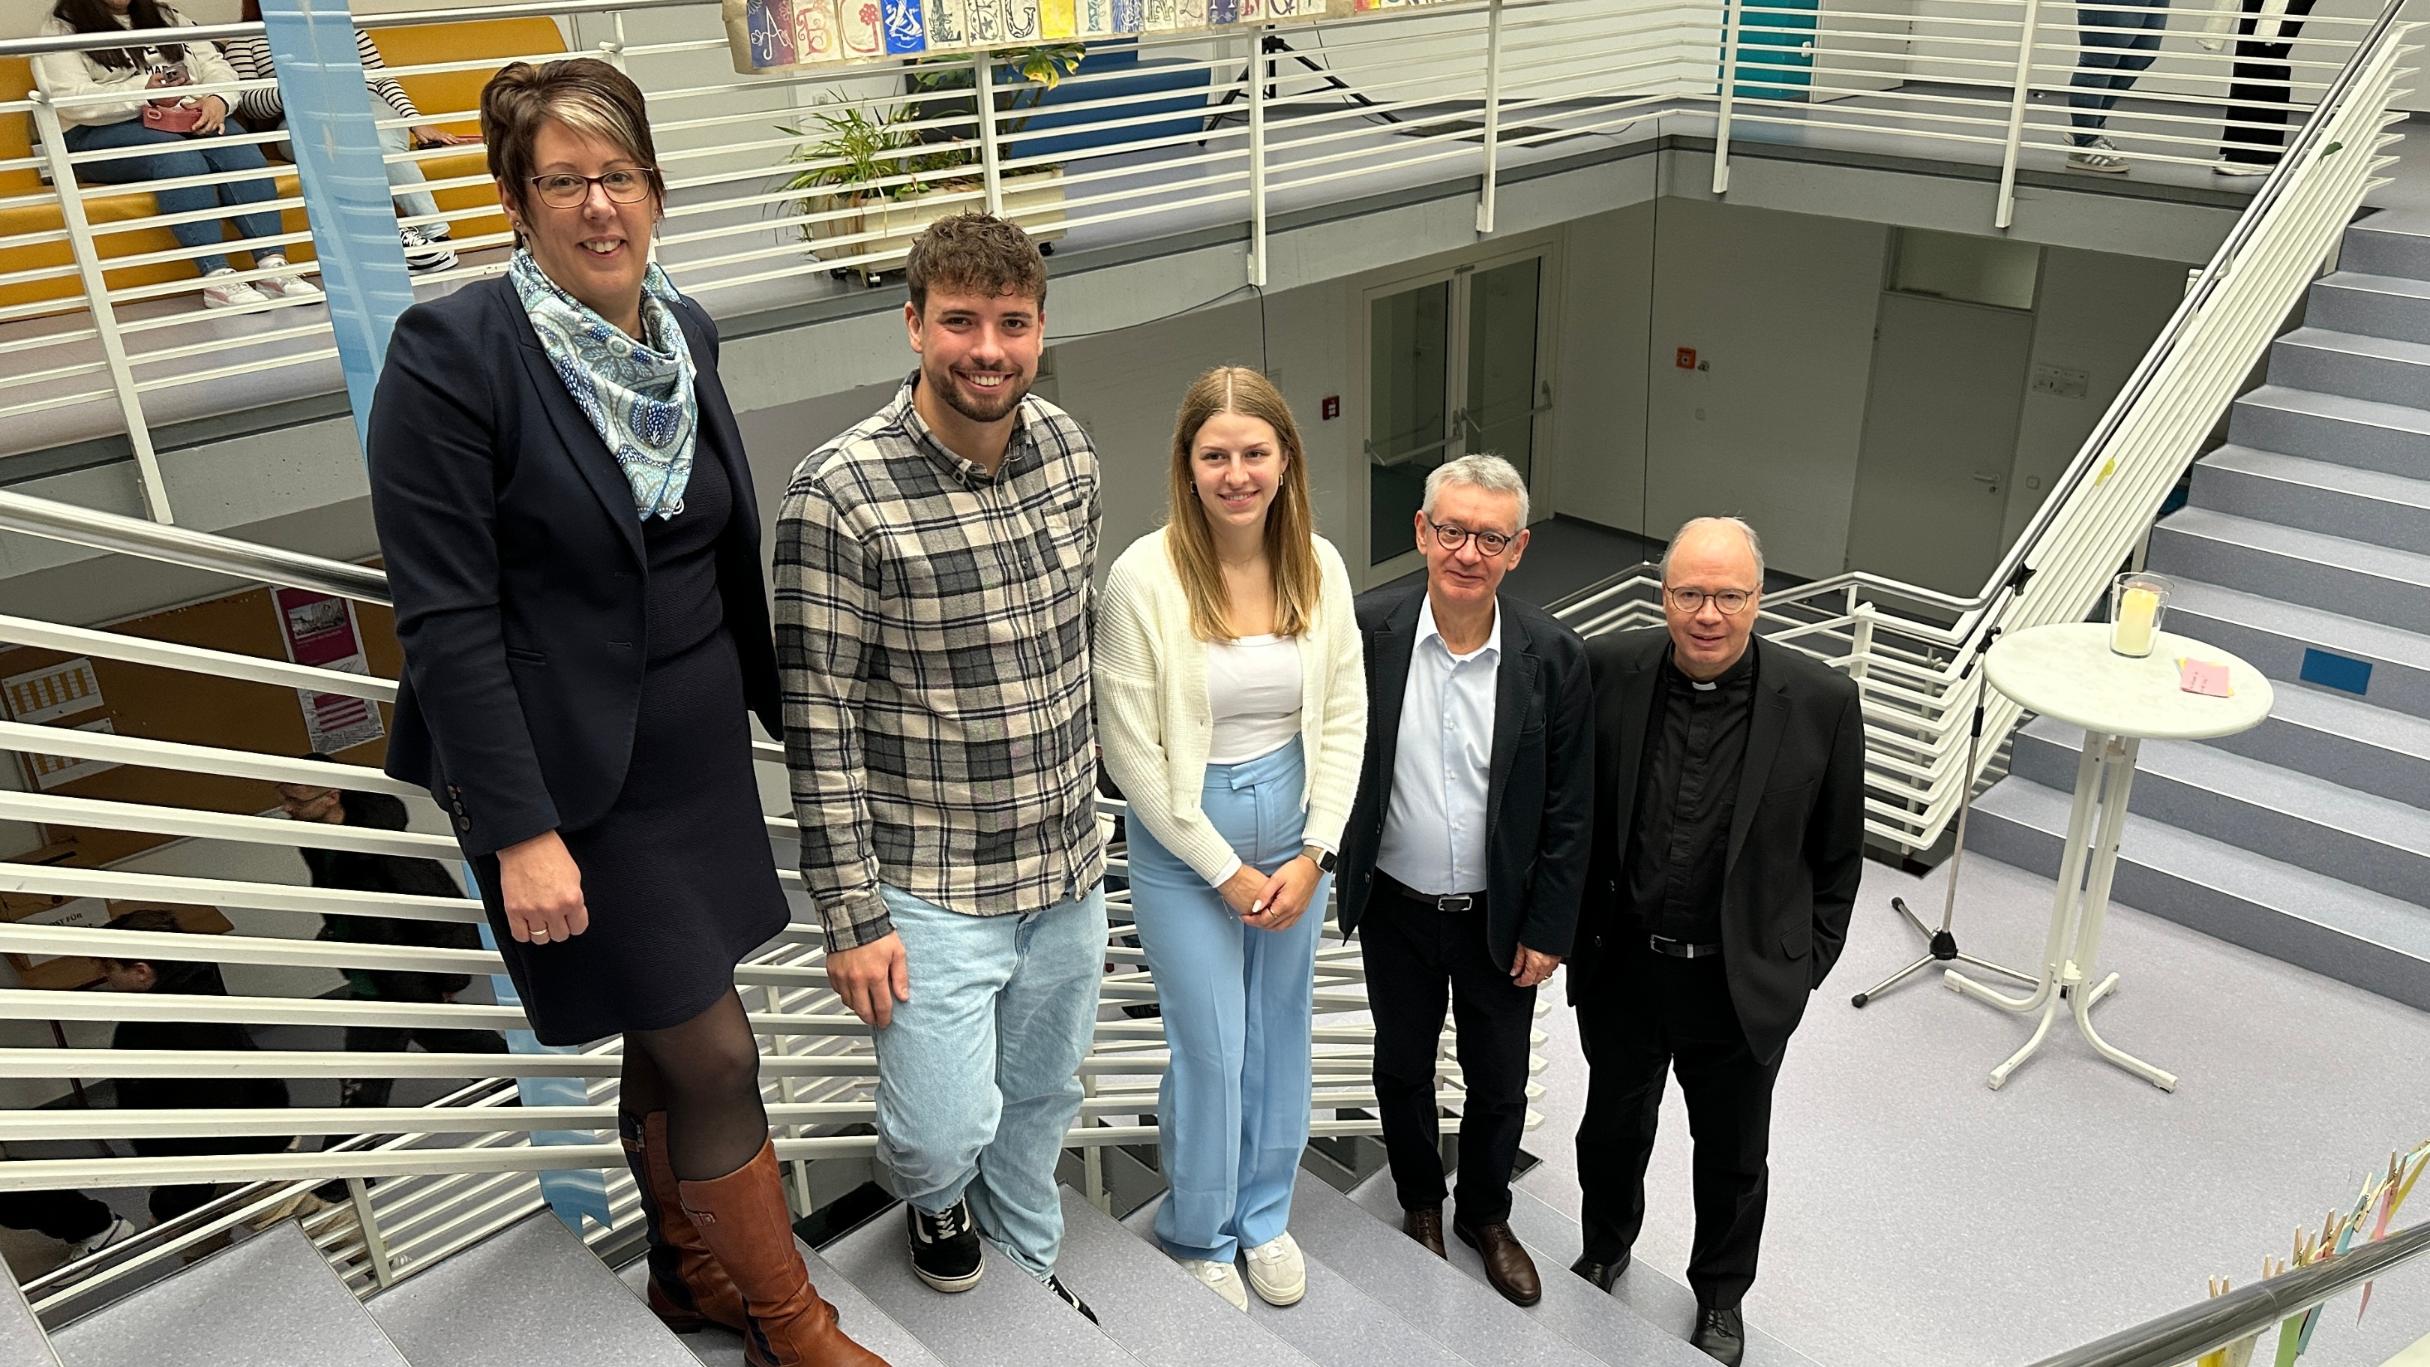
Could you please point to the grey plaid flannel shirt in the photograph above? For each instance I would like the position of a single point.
(932, 629)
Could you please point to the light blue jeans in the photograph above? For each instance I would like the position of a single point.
(1232, 1114)
(979, 1073)
(408, 182)
(2108, 63)
(181, 156)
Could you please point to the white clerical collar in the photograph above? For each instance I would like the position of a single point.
(1426, 628)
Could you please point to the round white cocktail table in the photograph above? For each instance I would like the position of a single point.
(2068, 672)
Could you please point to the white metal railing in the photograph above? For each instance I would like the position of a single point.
(1915, 651)
(1478, 89)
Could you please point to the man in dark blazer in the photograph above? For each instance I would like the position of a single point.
(1466, 851)
(1728, 840)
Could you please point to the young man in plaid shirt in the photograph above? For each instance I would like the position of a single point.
(933, 581)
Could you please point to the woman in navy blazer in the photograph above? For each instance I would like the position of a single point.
(573, 549)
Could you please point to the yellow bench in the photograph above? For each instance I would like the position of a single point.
(438, 93)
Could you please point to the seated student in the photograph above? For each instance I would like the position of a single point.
(425, 234)
(149, 113)
(392, 874)
(140, 973)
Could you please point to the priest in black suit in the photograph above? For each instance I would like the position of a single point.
(1728, 840)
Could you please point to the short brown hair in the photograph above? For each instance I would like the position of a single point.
(1290, 521)
(583, 93)
(977, 252)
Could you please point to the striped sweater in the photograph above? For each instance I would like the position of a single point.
(263, 109)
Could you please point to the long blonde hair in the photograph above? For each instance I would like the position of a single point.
(1290, 519)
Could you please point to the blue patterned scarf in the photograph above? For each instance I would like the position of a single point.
(637, 394)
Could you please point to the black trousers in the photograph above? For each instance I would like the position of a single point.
(1654, 1015)
(390, 1039)
(68, 1216)
(1415, 955)
(2262, 74)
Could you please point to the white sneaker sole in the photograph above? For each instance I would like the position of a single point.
(951, 1285)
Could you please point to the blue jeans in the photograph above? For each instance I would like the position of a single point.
(2108, 63)
(979, 1073)
(181, 156)
(1232, 1114)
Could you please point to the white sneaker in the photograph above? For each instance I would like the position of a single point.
(2240, 168)
(121, 1229)
(291, 285)
(1277, 1272)
(1226, 1283)
(422, 254)
(231, 293)
(2097, 155)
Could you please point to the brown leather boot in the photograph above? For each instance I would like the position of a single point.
(743, 1217)
(688, 1287)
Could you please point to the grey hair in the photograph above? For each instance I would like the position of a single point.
(1694, 524)
(1491, 473)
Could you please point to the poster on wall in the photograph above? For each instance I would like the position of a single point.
(51, 692)
(781, 35)
(46, 772)
(320, 630)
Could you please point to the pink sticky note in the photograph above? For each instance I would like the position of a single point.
(2206, 677)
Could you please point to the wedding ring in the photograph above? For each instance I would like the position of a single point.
(539, 937)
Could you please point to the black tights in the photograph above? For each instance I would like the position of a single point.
(704, 1074)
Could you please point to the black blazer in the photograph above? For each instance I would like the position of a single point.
(516, 563)
(1797, 834)
(1539, 789)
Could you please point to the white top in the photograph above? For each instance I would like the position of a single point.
(1155, 725)
(1253, 693)
(65, 74)
(2068, 671)
(1442, 763)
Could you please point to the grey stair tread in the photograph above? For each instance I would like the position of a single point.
(2403, 568)
(215, 1312)
(1337, 1324)
(2407, 222)
(2377, 284)
(1158, 1313)
(868, 1326)
(1572, 1308)
(2358, 344)
(2339, 408)
(1465, 1316)
(2304, 797)
(2353, 636)
(1009, 1319)
(22, 1341)
(510, 1300)
(2342, 909)
(2379, 485)
(1655, 1299)
(2352, 720)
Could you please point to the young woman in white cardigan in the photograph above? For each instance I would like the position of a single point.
(1232, 705)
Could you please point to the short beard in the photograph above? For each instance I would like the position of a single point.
(1008, 396)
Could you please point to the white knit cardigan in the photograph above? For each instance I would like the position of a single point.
(1155, 724)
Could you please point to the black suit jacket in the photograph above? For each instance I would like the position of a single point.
(1797, 832)
(1539, 789)
(516, 563)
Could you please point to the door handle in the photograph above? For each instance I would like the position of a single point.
(1991, 481)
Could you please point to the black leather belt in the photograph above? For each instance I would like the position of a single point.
(1680, 949)
(1452, 903)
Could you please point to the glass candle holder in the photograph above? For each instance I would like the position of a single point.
(2137, 602)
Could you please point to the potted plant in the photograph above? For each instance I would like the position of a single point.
(842, 152)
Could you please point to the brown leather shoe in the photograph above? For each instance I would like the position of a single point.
(688, 1288)
(743, 1217)
(1425, 1224)
(1507, 1265)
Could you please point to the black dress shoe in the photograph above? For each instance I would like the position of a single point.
(1425, 1224)
(1601, 1274)
(1720, 1334)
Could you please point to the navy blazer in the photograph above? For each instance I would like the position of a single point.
(1797, 830)
(516, 563)
(1539, 785)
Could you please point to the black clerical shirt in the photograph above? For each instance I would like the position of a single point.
(1695, 744)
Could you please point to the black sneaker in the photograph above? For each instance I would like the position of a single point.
(945, 1247)
(1055, 1284)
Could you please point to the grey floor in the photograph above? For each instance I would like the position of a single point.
(1919, 1219)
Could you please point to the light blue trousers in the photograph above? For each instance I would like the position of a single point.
(979, 1073)
(1232, 1115)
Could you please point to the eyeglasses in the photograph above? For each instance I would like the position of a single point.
(1451, 537)
(1730, 601)
(565, 190)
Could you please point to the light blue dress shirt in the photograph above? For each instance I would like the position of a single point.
(1434, 824)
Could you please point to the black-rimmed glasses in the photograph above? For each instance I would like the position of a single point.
(565, 190)
(1451, 536)
(1731, 602)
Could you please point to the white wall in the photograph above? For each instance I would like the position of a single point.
(1595, 465)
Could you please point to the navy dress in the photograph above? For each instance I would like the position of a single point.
(677, 875)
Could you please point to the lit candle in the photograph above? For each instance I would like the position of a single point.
(2138, 611)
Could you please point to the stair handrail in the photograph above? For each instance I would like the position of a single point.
(2183, 1335)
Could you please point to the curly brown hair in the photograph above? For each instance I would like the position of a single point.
(583, 93)
(976, 252)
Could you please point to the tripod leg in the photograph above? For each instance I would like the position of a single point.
(1989, 967)
(1859, 1000)
(1899, 905)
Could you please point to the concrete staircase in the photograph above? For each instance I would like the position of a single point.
(2305, 549)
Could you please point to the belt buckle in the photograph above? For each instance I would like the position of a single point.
(1455, 903)
(1676, 949)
